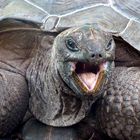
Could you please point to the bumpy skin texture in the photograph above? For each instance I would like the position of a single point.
(119, 109)
(120, 112)
(54, 96)
(26, 53)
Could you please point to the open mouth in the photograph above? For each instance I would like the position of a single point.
(89, 77)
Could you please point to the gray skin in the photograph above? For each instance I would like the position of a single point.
(119, 110)
(57, 99)
(32, 65)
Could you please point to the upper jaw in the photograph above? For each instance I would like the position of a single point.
(89, 76)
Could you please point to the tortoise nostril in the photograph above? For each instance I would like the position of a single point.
(93, 55)
(100, 55)
(96, 55)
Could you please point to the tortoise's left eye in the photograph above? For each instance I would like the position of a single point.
(108, 47)
(71, 44)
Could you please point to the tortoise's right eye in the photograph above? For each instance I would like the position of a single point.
(71, 44)
(108, 47)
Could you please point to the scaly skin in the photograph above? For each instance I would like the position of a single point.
(57, 99)
(31, 63)
(16, 50)
(120, 108)
(119, 111)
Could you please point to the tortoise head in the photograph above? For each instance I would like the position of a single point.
(84, 58)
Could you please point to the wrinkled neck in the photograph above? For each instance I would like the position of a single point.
(52, 101)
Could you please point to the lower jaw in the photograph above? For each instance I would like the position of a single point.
(99, 83)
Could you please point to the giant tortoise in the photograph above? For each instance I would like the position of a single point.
(27, 23)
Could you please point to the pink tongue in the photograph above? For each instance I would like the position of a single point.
(88, 79)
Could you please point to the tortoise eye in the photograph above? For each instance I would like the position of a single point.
(71, 44)
(108, 47)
